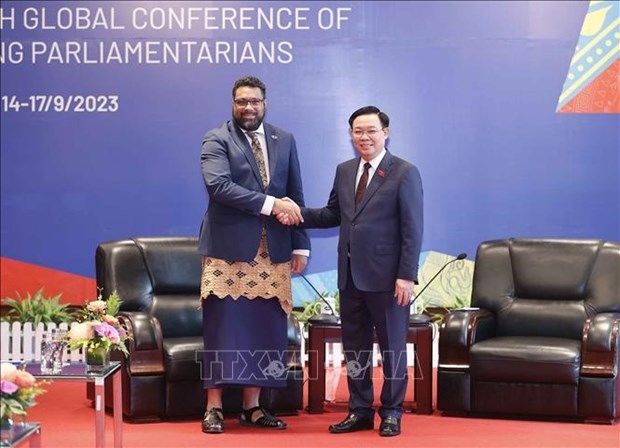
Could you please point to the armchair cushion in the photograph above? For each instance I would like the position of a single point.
(526, 359)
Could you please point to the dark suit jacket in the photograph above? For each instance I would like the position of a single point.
(384, 235)
(231, 227)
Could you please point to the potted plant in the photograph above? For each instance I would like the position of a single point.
(37, 309)
(99, 331)
(437, 313)
(26, 319)
(19, 389)
(311, 309)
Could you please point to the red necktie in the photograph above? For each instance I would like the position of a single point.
(361, 186)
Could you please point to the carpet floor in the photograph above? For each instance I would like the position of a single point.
(68, 421)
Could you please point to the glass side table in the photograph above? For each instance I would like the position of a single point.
(21, 433)
(78, 372)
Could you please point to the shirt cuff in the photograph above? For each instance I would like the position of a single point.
(304, 252)
(268, 205)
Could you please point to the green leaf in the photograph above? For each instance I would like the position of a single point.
(37, 308)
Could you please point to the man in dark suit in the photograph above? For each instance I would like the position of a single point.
(248, 167)
(376, 200)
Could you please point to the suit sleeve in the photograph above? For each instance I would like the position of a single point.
(324, 217)
(218, 177)
(294, 190)
(410, 197)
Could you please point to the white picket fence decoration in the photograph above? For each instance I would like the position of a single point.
(22, 342)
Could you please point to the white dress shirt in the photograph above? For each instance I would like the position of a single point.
(374, 164)
(269, 200)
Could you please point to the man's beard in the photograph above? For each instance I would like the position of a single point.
(249, 124)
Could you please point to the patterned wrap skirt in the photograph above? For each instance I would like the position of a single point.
(245, 307)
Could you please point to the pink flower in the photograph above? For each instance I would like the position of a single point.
(18, 392)
(99, 327)
(97, 306)
(108, 331)
(8, 387)
(24, 379)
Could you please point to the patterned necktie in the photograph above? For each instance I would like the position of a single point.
(361, 186)
(260, 159)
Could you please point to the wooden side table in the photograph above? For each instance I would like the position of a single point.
(421, 335)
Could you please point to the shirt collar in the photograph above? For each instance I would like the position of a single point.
(259, 131)
(374, 163)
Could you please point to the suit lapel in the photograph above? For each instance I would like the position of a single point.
(271, 138)
(349, 173)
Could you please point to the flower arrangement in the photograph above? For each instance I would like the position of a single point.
(19, 389)
(98, 328)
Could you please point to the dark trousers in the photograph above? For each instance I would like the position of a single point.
(361, 312)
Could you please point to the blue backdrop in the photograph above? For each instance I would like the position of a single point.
(471, 89)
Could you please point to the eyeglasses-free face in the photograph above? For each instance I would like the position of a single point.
(249, 108)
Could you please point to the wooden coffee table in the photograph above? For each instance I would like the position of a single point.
(420, 334)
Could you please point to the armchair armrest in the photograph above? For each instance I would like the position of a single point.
(459, 330)
(601, 337)
(293, 331)
(145, 345)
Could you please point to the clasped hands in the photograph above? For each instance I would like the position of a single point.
(287, 212)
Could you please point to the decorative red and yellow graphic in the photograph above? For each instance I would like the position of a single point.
(592, 82)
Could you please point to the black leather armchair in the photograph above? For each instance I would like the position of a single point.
(158, 280)
(545, 338)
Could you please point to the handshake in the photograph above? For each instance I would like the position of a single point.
(287, 212)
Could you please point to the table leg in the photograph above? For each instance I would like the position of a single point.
(316, 370)
(117, 388)
(35, 439)
(99, 412)
(423, 381)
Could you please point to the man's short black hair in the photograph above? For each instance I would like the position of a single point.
(370, 110)
(249, 81)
